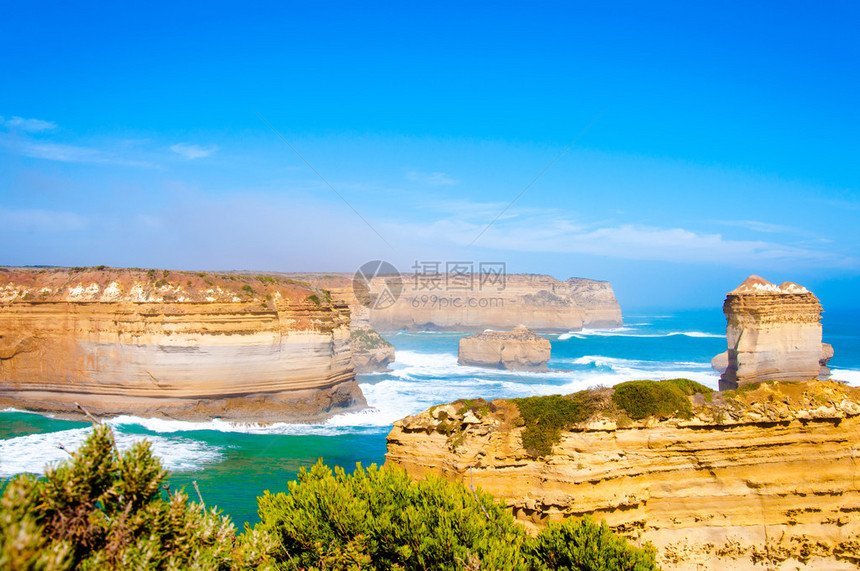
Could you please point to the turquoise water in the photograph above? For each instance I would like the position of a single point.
(234, 464)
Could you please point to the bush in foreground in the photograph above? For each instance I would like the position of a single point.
(382, 519)
(105, 510)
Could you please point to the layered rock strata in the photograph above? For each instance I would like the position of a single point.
(468, 303)
(753, 479)
(518, 349)
(773, 333)
(177, 344)
(371, 353)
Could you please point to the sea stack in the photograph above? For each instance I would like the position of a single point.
(518, 350)
(773, 333)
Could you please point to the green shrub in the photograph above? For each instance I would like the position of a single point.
(382, 519)
(689, 387)
(583, 545)
(546, 417)
(248, 289)
(314, 299)
(367, 339)
(662, 399)
(479, 407)
(104, 510)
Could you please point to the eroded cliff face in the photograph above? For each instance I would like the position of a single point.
(541, 303)
(518, 349)
(178, 344)
(371, 353)
(753, 479)
(773, 333)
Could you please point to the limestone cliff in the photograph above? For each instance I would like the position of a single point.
(541, 303)
(773, 333)
(167, 343)
(752, 477)
(518, 349)
(370, 351)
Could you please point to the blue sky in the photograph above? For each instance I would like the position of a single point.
(710, 141)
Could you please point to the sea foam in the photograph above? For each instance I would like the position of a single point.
(33, 452)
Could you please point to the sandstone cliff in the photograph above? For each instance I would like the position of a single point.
(370, 351)
(179, 344)
(773, 333)
(541, 303)
(753, 477)
(518, 349)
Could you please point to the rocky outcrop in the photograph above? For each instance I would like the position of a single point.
(371, 353)
(755, 477)
(773, 333)
(517, 350)
(178, 344)
(541, 303)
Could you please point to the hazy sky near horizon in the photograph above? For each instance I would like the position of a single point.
(709, 141)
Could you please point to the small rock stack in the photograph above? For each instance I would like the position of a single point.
(520, 349)
(773, 333)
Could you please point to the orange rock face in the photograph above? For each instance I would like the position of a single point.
(178, 344)
(773, 333)
(760, 477)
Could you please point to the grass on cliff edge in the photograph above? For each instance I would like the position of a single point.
(545, 418)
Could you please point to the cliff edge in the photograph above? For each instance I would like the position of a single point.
(189, 345)
(744, 479)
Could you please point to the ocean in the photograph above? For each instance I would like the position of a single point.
(233, 464)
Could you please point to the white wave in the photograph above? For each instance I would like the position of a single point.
(11, 409)
(631, 332)
(569, 335)
(849, 376)
(697, 334)
(33, 452)
(165, 426)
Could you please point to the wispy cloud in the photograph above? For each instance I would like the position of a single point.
(190, 151)
(27, 125)
(433, 178)
(757, 226)
(552, 231)
(35, 220)
(74, 154)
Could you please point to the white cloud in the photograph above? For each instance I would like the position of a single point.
(27, 125)
(550, 231)
(35, 220)
(636, 242)
(73, 154)
(190, 151)
(433, 178)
